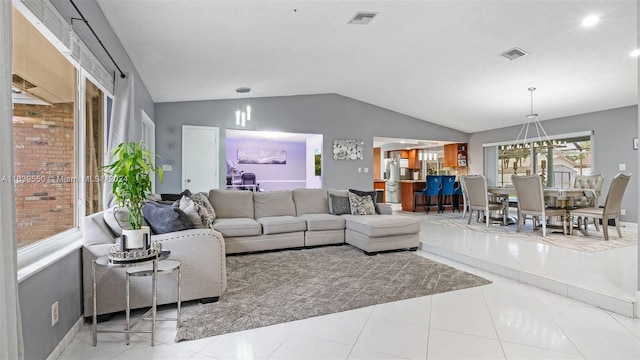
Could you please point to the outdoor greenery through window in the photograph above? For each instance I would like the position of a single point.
(557, 164)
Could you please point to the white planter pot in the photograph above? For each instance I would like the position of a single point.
(134, 239)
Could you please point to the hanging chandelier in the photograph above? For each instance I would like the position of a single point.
(521, 147)
(243, 113)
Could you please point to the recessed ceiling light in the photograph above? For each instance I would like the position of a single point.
(635, 53)
(590, 20)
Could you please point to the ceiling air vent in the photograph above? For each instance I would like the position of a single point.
(514, 53)
(362, 18)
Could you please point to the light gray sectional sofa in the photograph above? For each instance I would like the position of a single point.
(257, 221)
(200, 251)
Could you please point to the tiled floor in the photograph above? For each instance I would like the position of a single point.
(506, 319)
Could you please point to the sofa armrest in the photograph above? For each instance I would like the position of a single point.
(203, 265)
(384, 209)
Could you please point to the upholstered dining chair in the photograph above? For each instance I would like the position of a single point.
(478, 198)
(530, 196)
(592, 185)
(465, 195)
(611, 208)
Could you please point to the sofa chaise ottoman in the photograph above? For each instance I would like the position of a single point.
(259, 221)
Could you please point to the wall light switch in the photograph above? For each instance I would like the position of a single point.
(622, 167)
(167, 168)
(366, 170)
(623, 212)
(359, 170)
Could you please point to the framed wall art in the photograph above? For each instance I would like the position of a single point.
(348, 149)
(256, 156)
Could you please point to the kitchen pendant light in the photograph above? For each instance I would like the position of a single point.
(243, 113)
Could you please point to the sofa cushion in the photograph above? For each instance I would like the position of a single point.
(237, 227)
(232, 203)
(310, 201)
(319, 222)
(382, 225)
(282, 224)
(361, 205)
(165, 218)
(339, 205)
(273, 203)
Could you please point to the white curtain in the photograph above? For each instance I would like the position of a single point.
(11, 346)
(121, 124)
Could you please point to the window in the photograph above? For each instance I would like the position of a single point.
(44, 135)
(58, 132)
(94, 147)
(557, 165)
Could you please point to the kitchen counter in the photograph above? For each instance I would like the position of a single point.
(407, 188)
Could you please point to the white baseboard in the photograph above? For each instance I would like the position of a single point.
(66, 340)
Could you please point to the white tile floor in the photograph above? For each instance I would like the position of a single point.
(506, 319)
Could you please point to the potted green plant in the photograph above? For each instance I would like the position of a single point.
(130, 171)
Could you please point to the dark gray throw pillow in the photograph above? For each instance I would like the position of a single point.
(372, 194)
(165, 219)
(174, 197)
(340, 204)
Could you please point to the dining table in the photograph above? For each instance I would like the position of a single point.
(557, 197)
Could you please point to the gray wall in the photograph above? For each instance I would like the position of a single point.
(60, 282)
(332, 115)
(613, 131)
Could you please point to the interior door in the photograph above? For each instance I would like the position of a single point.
(200, 158)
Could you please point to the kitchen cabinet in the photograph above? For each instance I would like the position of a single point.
(414, 160)
(376, 163)
(455, 155)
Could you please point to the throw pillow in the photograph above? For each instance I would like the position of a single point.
(204, 209)
(189, 207)
(174, 197)
(372, 194)
(361, 205)
(339, 204)
(116, 219)
(165, 219)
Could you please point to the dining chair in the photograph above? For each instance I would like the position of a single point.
(531, 202)
(592, 185)
(611, 209)
(478, 198)
(446, 192)
(248, 179)
(465, 195)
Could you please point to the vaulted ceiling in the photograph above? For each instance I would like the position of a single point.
(438, 61)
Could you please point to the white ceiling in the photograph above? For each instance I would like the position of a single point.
(435, 60)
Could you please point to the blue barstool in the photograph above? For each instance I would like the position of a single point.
(446, 192)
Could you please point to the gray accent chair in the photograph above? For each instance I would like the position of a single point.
(531, 202)
(611, 209)
(200, 251)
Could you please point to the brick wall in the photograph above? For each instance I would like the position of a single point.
(44, 170)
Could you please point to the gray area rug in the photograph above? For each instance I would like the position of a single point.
(276, 287)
